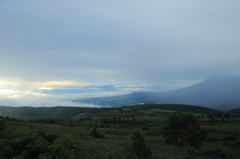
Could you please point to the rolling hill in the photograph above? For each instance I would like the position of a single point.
(31, 113)
(27, 113)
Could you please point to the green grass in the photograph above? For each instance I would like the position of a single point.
(116, 138)
(148, 121)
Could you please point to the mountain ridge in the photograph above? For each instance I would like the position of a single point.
(221, 93)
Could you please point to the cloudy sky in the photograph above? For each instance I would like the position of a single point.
(55, 51)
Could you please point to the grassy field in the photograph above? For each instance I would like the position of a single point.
(117, 124)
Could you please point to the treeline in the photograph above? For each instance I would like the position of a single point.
(28, 113)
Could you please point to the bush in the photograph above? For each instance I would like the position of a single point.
(229, 138)
(146, 128)
(95, 133)
(50, 138)
(183, 130)
(137, 148)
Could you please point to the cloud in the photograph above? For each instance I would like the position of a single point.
(42, 102)
(117, 42)
(79, 89)
(58, 83)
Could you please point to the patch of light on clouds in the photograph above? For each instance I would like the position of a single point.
(58, 83)
(45, 88)
(8, 91)
(6, 82)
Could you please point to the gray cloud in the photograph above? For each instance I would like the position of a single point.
(119, 41)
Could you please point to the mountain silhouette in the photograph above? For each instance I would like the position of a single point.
(216, 92)
(221, 93)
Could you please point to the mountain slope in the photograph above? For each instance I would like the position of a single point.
(222, 93)
(212, 93)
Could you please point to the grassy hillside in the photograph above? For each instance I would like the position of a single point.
(160, 108)
(116, 125)
(28, 113)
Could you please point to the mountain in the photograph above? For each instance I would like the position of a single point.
(221, 93)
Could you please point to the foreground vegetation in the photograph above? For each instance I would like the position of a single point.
(106, 133)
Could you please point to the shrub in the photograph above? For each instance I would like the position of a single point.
(183, 130)
(137, 148)
(95, 133)
(229, 138)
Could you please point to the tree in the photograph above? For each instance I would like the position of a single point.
(2, 126)
(227, 116)
(114, 120)
(119, 120)
(90, 124)
(95, 133)
(70, 122)
(61, 148)
(137, 148)
(212, 120)
(183, 130)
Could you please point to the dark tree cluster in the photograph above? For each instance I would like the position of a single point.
(183, 130)
(95, 133)
(23, 144)
(137, 147)
(43, 121)
(83, 119)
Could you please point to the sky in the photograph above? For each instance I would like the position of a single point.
(54, 51)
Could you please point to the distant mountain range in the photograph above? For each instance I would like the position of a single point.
(221, 93)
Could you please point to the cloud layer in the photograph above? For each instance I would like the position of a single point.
(118, 42)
